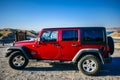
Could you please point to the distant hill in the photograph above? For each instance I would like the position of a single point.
(8, 34)
(115, 34)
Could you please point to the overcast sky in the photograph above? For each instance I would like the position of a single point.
(37, 14)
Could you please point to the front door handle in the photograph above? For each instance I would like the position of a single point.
(74, 45)
(55, 44)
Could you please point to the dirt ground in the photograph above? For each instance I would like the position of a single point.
(55, 71)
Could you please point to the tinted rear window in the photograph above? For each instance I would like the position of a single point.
(93, 36)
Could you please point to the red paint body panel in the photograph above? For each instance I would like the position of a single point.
(58, 50)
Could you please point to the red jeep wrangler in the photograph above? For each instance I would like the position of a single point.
(87, 47)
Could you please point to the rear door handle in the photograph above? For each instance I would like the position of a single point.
(74, 45)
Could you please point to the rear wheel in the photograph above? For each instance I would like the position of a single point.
(89, 65)
(17, 60)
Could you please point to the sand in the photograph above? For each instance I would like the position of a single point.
(55, 71)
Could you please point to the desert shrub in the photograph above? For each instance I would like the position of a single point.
(118, 31)
(1, 34)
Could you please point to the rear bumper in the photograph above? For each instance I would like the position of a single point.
(108, 60)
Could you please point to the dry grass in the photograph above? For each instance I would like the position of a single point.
(7, 31)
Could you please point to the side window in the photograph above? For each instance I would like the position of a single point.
(93, 36)
(70, 35)
(49, 36)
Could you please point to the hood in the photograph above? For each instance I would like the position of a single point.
(25, 42)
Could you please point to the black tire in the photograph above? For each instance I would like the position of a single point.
(86, 63)
(111, 44)
(18, 61)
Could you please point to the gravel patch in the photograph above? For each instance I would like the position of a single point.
(56, 71)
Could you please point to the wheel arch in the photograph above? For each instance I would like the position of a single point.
(22, 49)
(88, 51)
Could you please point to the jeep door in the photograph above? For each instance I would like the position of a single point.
(49, 47)
(70, 43)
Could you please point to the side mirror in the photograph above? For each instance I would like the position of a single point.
(41, 40)
(38, 40)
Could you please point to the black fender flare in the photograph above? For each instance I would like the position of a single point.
(23, 49)
(93, 51)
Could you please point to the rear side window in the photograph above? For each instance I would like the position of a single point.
(92, 36)
(70, 35)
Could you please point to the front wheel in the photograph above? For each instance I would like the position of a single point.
(89, 65)
(17, 60)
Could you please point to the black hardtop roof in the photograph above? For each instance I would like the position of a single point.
(73, 28)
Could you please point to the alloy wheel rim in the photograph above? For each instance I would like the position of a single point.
(18, 61)
(89, 65)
